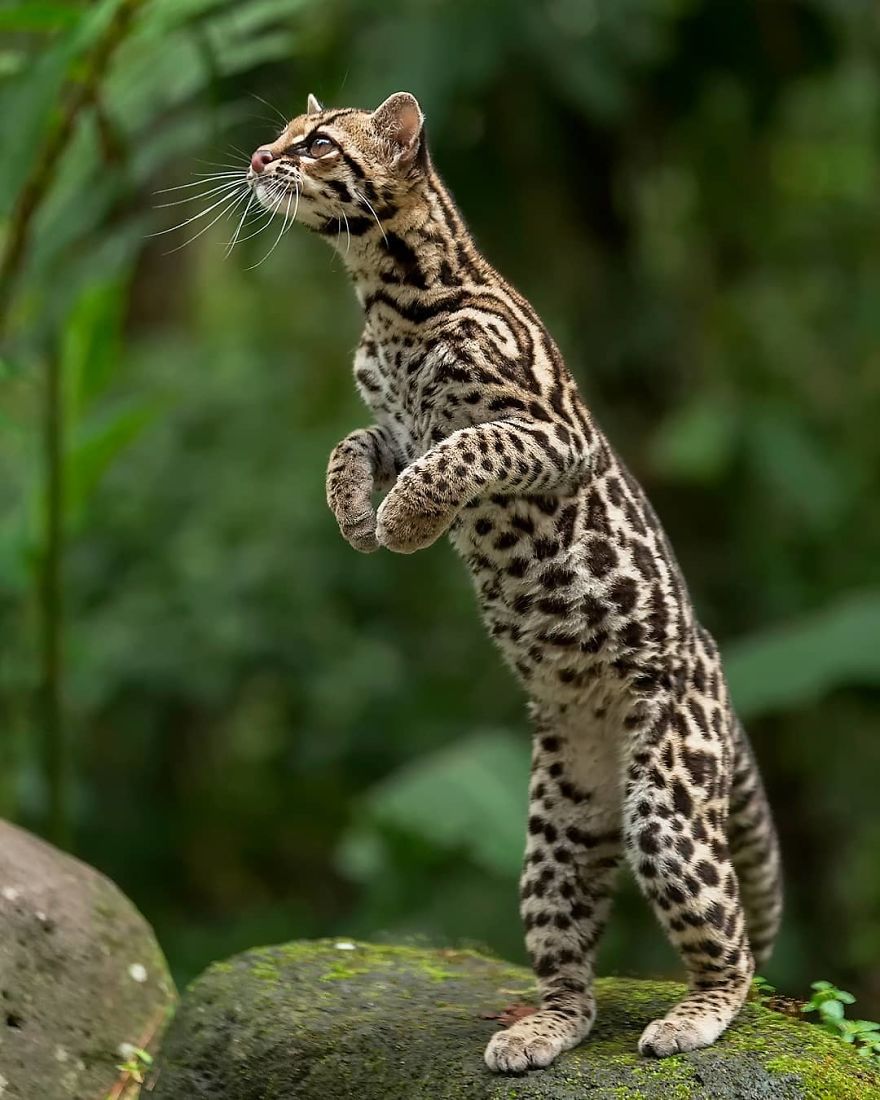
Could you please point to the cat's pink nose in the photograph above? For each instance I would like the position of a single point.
(261, 158)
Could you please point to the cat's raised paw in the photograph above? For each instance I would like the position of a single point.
(403, 528)
(360, 531)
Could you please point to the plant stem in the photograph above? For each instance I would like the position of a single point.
(82, 91)
(52, 608)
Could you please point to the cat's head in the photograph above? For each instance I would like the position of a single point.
(332, 164)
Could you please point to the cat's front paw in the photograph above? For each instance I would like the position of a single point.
(359, 530)
(533, 1043)
(404, 527)
(517, 1053)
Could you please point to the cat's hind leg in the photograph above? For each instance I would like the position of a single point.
(572, 853)
(675, 814)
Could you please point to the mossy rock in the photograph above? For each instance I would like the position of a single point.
(331, 1021)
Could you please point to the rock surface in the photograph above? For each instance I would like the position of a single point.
(80, 975)
(333, 1021)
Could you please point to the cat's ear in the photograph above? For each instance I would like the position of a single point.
(314, 107)
(399, 120)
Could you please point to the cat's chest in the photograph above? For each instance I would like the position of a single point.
(397, 380)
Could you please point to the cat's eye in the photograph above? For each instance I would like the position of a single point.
(319, 146)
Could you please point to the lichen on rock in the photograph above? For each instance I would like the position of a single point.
(81, 975)
(325, 1021)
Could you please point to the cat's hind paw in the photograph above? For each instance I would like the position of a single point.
(661, 1038)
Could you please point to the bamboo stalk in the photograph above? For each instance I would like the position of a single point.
(52, 609)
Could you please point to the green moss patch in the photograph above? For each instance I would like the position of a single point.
(320, 1021)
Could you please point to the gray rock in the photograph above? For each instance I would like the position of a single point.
(323, 1021)
(81, 974)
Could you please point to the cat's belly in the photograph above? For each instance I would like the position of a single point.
(408, 442)
(397, 403)
(538, 600)
(575, 630)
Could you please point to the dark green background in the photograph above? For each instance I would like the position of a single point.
(270, 736)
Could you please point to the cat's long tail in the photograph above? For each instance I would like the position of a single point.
(754, 849)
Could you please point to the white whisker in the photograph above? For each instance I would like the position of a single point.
(296, 206)
(195, 198)
(236, 151)
(347, 235)
(202, 214)
(201, 182)
(278, 238)
(234, 236)
(271, 107)
(217, 164)
(368, 205)
(231, 204)
(262, 223)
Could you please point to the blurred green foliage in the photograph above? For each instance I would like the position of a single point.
(272, 736)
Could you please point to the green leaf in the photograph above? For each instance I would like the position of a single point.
(797, 664)
(90, 455)
(29, 104)
(37, 17)
(361, 855)
(469, 796)
(696, 442)
(12, 62)
(831, 1011)
(799, 470)
(91, 348)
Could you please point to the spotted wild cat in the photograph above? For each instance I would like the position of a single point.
(480, 433)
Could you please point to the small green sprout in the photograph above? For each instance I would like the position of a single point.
(137, 1064)
(762, 988)
(829, 1002)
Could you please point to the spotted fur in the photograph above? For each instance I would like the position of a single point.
(480, 433)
